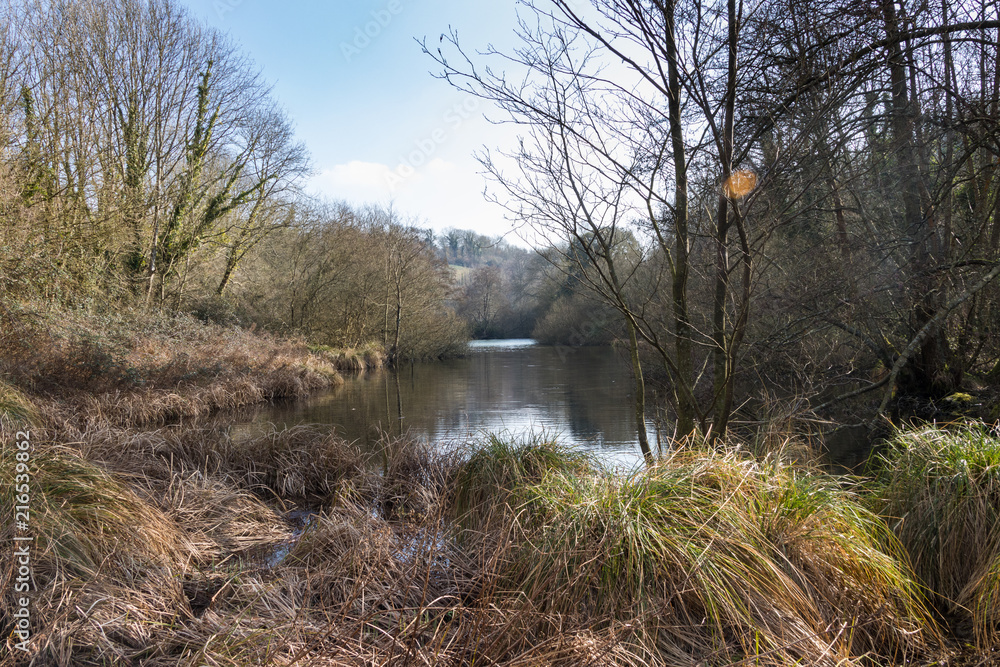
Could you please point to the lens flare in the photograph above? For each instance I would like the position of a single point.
(740, 184)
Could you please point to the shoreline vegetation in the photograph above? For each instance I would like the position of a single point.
(162, 539)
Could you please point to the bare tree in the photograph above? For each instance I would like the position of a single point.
(272, 180)
(651, 117)
(609, 99)
(146, 134)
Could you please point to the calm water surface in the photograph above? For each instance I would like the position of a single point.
(581, 395)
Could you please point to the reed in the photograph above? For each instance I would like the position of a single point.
(939, 487)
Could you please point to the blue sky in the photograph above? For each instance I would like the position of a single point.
(363, 100)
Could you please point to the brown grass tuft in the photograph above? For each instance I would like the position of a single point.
(301, 463)
(86, 520)
(219, 521)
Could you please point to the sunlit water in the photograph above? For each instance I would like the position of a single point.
(582, 396)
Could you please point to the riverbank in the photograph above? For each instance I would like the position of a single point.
(139, 369)
(178, 543)
(181, 546)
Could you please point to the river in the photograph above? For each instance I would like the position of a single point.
(581, 396)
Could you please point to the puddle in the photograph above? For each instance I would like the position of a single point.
(414, 544)
(301, 520)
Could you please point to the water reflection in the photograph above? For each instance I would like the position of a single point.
(583, 395)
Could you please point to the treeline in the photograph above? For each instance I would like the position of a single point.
(135, 137)
(507, 291)
(143, 161)
(348, 277)
(799, 195)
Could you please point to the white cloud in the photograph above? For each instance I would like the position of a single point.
(342, 180)
(439, 194)
(440, 166)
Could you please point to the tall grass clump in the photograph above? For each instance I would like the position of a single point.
(85, 520)
(495, 471)
(715, 558)
(104, 562)
(939, 487)
(370, 356)
(16, 409)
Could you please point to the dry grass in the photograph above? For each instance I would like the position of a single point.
(353, 359)
(146, 407)
(364, 567)
(710, 556)
(940, 488)
(142, 369)
(173, 545)
(17, 411)
(86, 520)
(301, 463)
(416, 479)
(220, 521)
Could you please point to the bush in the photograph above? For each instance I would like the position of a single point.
(578, 320)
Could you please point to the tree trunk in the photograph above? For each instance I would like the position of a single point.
(228, 273)
(684, 377)
(640, 394)
(399, 319)
(927, 372)
(722, 363)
